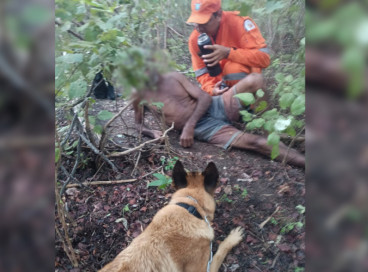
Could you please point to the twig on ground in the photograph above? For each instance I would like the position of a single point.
(150, 173)
(275, 260)
(269, 218)
(98, 170)
(136, 163)
(118, 154)
(118, 114)
(98, 152)
(67, 245)
(71, 175)
(101, 182)
(70, 130)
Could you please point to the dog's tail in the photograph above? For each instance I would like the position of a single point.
(234, 238)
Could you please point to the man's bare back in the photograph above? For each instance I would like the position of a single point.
(178, 104)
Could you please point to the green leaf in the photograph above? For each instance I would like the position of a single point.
(275, 152)
(273, 139)
(291, 131)
(161, 180)
(262, 106)
(158, 105)
(259, 122)
(109, 35)
(70, 58)
(282, 123)
(98, 129)
(269, 126)
(246, 116)
(260, 93)
(92, 120)
(298, 106)
(57, 154)
(289, 78)
(104, 115)
(301, 209)
(279, 77)
(77, 89)
(286, 100)
(246, 98)
(271, 6)
(271, 114)
(299, 224)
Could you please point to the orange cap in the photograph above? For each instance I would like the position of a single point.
(202, 10)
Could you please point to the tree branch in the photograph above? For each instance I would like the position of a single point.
(118, 154)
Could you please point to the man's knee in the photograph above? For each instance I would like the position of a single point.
(255, 81)
(251, 83)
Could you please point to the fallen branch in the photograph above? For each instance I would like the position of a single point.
(176, 32)
(67, 245)
(150, 173)
(118, 154)
(101, 182)
(98, 152)
(268, 218)
(71, 175)
(70, 130)
(118, 114)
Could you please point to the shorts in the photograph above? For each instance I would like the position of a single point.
(212, 126)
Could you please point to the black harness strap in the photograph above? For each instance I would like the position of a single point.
(191, 209)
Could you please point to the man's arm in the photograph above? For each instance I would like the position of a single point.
(203, 102)
(252, 50)
(139, 124)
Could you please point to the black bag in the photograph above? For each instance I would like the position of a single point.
(102, 89)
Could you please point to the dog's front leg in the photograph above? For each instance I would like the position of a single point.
(234, 238)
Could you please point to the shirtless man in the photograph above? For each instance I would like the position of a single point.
(206, 118)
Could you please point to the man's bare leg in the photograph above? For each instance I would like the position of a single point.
(259, 144)
(250, 84)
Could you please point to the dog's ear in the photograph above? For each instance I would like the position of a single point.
(211, 177)
(179, 176)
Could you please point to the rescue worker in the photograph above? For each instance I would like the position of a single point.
(237, 45)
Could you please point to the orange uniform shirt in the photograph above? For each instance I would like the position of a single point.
(248, 48)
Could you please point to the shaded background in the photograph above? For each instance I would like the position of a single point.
(337, 135)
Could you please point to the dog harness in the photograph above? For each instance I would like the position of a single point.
(192, 210)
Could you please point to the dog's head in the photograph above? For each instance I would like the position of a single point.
(198, 185)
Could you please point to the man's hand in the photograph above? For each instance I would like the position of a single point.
(219, 52)
(217, 91)
(187, 136)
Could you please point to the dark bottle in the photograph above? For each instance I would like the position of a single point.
(203, 40)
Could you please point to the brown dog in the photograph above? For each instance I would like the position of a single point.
(179, 236)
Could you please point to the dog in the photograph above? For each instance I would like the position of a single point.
(179, 238)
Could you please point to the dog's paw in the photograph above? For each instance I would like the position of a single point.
(235, 236)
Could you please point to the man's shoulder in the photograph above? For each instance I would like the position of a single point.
(234, 16)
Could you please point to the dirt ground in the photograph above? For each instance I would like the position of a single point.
(103, 220)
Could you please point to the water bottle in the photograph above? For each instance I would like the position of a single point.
(203, 40)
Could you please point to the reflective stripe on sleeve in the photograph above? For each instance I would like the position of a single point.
(235, 76)
(265, 50)
(200, 72)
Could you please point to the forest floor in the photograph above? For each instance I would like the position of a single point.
(104, 219)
